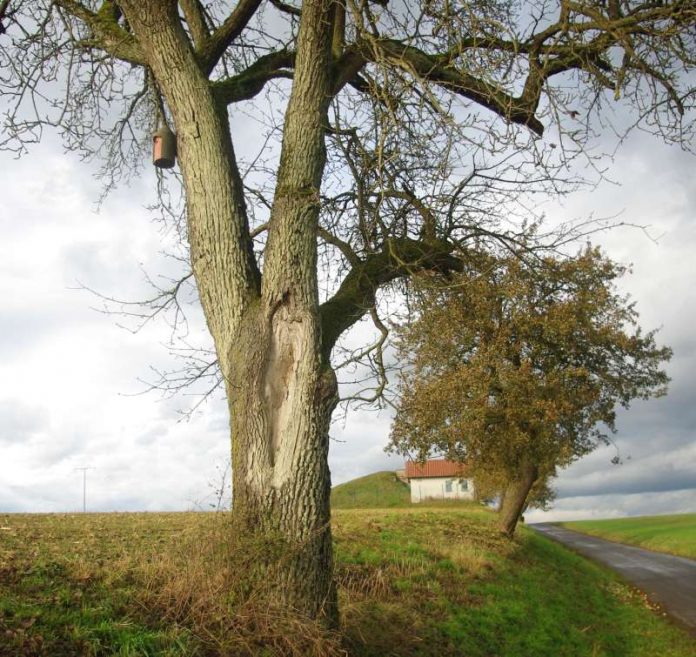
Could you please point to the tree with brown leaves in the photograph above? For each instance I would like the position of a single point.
(518, 370)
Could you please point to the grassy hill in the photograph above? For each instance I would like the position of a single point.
(382, 490)
(675, 534)
(413, 582)
(378, 490)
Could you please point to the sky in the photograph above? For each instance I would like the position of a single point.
(71, 379)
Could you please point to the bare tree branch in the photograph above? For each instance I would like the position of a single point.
(195, 19)
(286, 8)
(251, 81)
(221, 39)
(108, 35)
(356, 294)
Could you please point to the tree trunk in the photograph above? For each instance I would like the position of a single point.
(515, 497)
(281, 400)
(282, 390)
(221, 250)
(280, 386)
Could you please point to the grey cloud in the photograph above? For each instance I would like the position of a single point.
(41, 494)
(13, 499)
(655, 457)
(111, 268)
(617, 506)
(657, 427)
(57, 450)
(645, 478)
(219, 421)
(358, 447)
(89, 261)
(26, 328)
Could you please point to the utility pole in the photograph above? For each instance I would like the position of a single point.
(84, 488)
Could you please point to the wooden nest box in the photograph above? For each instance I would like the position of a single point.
(164, 147)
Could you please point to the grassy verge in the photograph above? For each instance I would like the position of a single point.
(673, 534)
(421, 582)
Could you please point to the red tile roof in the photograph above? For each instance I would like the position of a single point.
(435, 468)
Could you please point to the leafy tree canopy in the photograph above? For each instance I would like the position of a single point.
(521, 363)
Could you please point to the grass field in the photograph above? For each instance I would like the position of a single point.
(421, 582)
(673, 534)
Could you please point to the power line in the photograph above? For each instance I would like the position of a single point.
(84, 488)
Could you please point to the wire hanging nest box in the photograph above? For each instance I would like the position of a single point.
(164, 147)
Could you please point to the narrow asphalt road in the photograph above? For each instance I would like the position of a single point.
(668, 580)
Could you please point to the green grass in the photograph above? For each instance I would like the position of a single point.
(382, 490)
(413, 582)
(431, 582)
(65, 588)
(378, 490)
(673, 534)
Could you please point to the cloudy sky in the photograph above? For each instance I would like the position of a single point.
(70, 378)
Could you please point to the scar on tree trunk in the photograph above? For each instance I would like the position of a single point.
(281, 397)
(515, 497)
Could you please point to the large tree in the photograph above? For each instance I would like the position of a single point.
(397, 131)
(518, 370)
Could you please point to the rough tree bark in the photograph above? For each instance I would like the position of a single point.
(281, 390)
(515, 497)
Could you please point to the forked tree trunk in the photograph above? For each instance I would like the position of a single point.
(515, 498)
(267, 331)
(282, 389)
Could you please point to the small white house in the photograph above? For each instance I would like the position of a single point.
(438, 479)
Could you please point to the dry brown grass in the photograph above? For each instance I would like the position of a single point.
(364, 581)
(470, 559)
(217, 585)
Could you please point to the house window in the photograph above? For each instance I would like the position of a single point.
(448, 486)
(464, 485)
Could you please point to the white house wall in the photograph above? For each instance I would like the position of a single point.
(435, 488)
